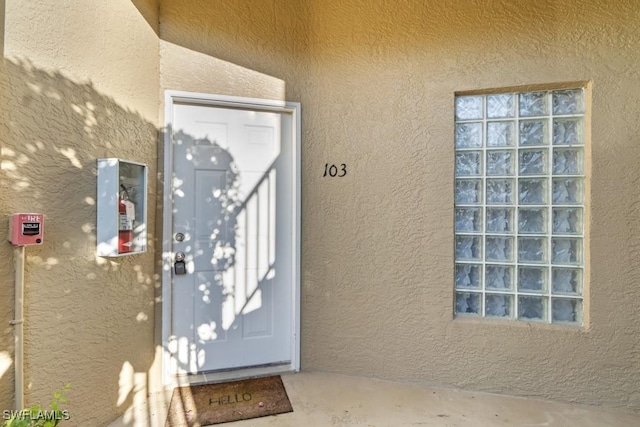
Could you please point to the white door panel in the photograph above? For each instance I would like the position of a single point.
(233, 201)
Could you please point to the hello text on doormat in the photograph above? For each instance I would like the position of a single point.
(196, 406)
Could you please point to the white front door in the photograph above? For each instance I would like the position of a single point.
(233, 218)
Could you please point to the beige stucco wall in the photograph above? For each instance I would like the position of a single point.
(378, 244)
(376, 80)
(253, 48)
(79, 81)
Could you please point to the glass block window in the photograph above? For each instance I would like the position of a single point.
(519, 206)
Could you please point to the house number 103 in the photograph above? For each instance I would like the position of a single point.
(332, 170)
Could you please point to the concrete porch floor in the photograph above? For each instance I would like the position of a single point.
(321, 399)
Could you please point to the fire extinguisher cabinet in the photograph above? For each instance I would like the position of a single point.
(122, 208)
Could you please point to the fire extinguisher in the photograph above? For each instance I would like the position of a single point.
(126, 215)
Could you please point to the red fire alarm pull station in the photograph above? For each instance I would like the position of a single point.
(26, 229)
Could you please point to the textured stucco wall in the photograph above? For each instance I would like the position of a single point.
(252, 48)
(376, 80)
(78, 81)
(378, 244)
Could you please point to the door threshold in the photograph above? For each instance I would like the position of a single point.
(234, 374)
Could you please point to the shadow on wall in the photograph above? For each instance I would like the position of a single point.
(258, 45)
(89, 321)
(148, 10)
(287, 38)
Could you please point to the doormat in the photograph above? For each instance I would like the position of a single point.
(204, 405)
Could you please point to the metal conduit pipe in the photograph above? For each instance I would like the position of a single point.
(18, 323)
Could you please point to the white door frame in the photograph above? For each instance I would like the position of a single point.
(293, 108)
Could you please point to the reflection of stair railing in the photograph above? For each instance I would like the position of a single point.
(250, 297)
(254, 191)
(253, 235)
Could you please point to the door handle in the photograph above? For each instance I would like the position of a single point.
(179, 265)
